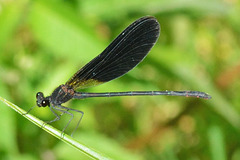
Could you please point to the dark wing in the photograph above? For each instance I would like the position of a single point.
(122, 55)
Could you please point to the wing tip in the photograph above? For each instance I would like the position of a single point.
(151, 18)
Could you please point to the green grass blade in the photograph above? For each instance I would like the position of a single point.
(217, 143)
(55, 132)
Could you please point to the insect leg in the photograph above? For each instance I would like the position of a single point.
(29, 110)
(75, 110)
(57, 116)
(56, 119)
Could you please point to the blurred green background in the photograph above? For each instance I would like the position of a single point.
(43, 43)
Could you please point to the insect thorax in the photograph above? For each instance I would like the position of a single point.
(62, 94)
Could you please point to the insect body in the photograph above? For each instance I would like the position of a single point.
(122, 55)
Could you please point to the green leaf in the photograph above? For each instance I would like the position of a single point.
(10, 17)
(217, 145)
(55, 132)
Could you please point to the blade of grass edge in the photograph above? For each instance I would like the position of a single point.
(55, 132)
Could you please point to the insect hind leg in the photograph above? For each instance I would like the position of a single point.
(77, 123)
(75, 110)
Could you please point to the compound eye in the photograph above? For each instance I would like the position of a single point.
(39, 104)
(44, 103)
(39, 94)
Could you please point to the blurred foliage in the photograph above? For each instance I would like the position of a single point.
(44, 42)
